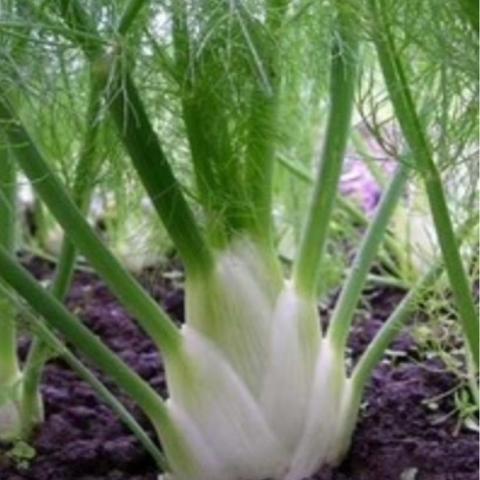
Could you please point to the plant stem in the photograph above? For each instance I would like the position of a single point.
(355, 215)
(9, 368)
(150, 315)
(470, 11)
(215, 163)
(82, 29)
(260, 160)
(350, 208)
(374, 353)
(401, 97)
(129, 14)
(345, 307)
(86, 171)
(56, 315)
(82, 189)
(342, 85)
(192, 116)
(154, 171)
(137, 134)
(48, 338)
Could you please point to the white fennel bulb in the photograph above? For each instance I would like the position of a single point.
(256, 393)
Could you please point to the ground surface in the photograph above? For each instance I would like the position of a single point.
(397, 437)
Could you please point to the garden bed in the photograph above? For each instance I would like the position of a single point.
(399, 436)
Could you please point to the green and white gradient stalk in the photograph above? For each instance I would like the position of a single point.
(343, 76)
(413, 131)
(10, 375)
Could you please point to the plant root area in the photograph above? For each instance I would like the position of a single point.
(404, 432)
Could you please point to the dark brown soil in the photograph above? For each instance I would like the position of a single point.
(397, 437)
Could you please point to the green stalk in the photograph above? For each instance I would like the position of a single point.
(156, 175)
(205, 176)
(150, 315)
(82, 29)
(260, 160)
(129, 14)
(58, 317)
(104, 393)
(8, 192)
(262, 131)
(355, 215)
(86, 171)
(345, 307)
(137, 134)
(82, 189)
(9, 368)
(386, 280)
(342, 85)
(48, 338)
(403, 104)
(207, 151)
(233, 202)
(390, 329)
(470, 11)
(215, 163)
(354, 212)
(374, 353)
(260, 163)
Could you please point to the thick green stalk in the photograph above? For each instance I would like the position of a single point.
(9, 369)
(260, 163)
(199, 149)
(216, 164)
(350, 208)
(204, 147)
(233, 202)
(260, 155)
(150, 315)
(142, 144)
(86, 171)
(48, 338)
(58, 317)
(154, 171)
(353, 212)
(8, 192)
(261, 148)
(345, 307)
(404, 106)
(342, 85)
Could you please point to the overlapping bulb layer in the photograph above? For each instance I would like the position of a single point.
(256, 393)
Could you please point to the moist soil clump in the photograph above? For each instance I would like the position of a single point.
(398, 437)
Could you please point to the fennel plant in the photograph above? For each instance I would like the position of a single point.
(257, 389)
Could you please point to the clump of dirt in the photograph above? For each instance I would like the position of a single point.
(397, 437)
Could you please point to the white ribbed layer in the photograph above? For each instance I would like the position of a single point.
(226, 431)
(10, 421)
(256, 393)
